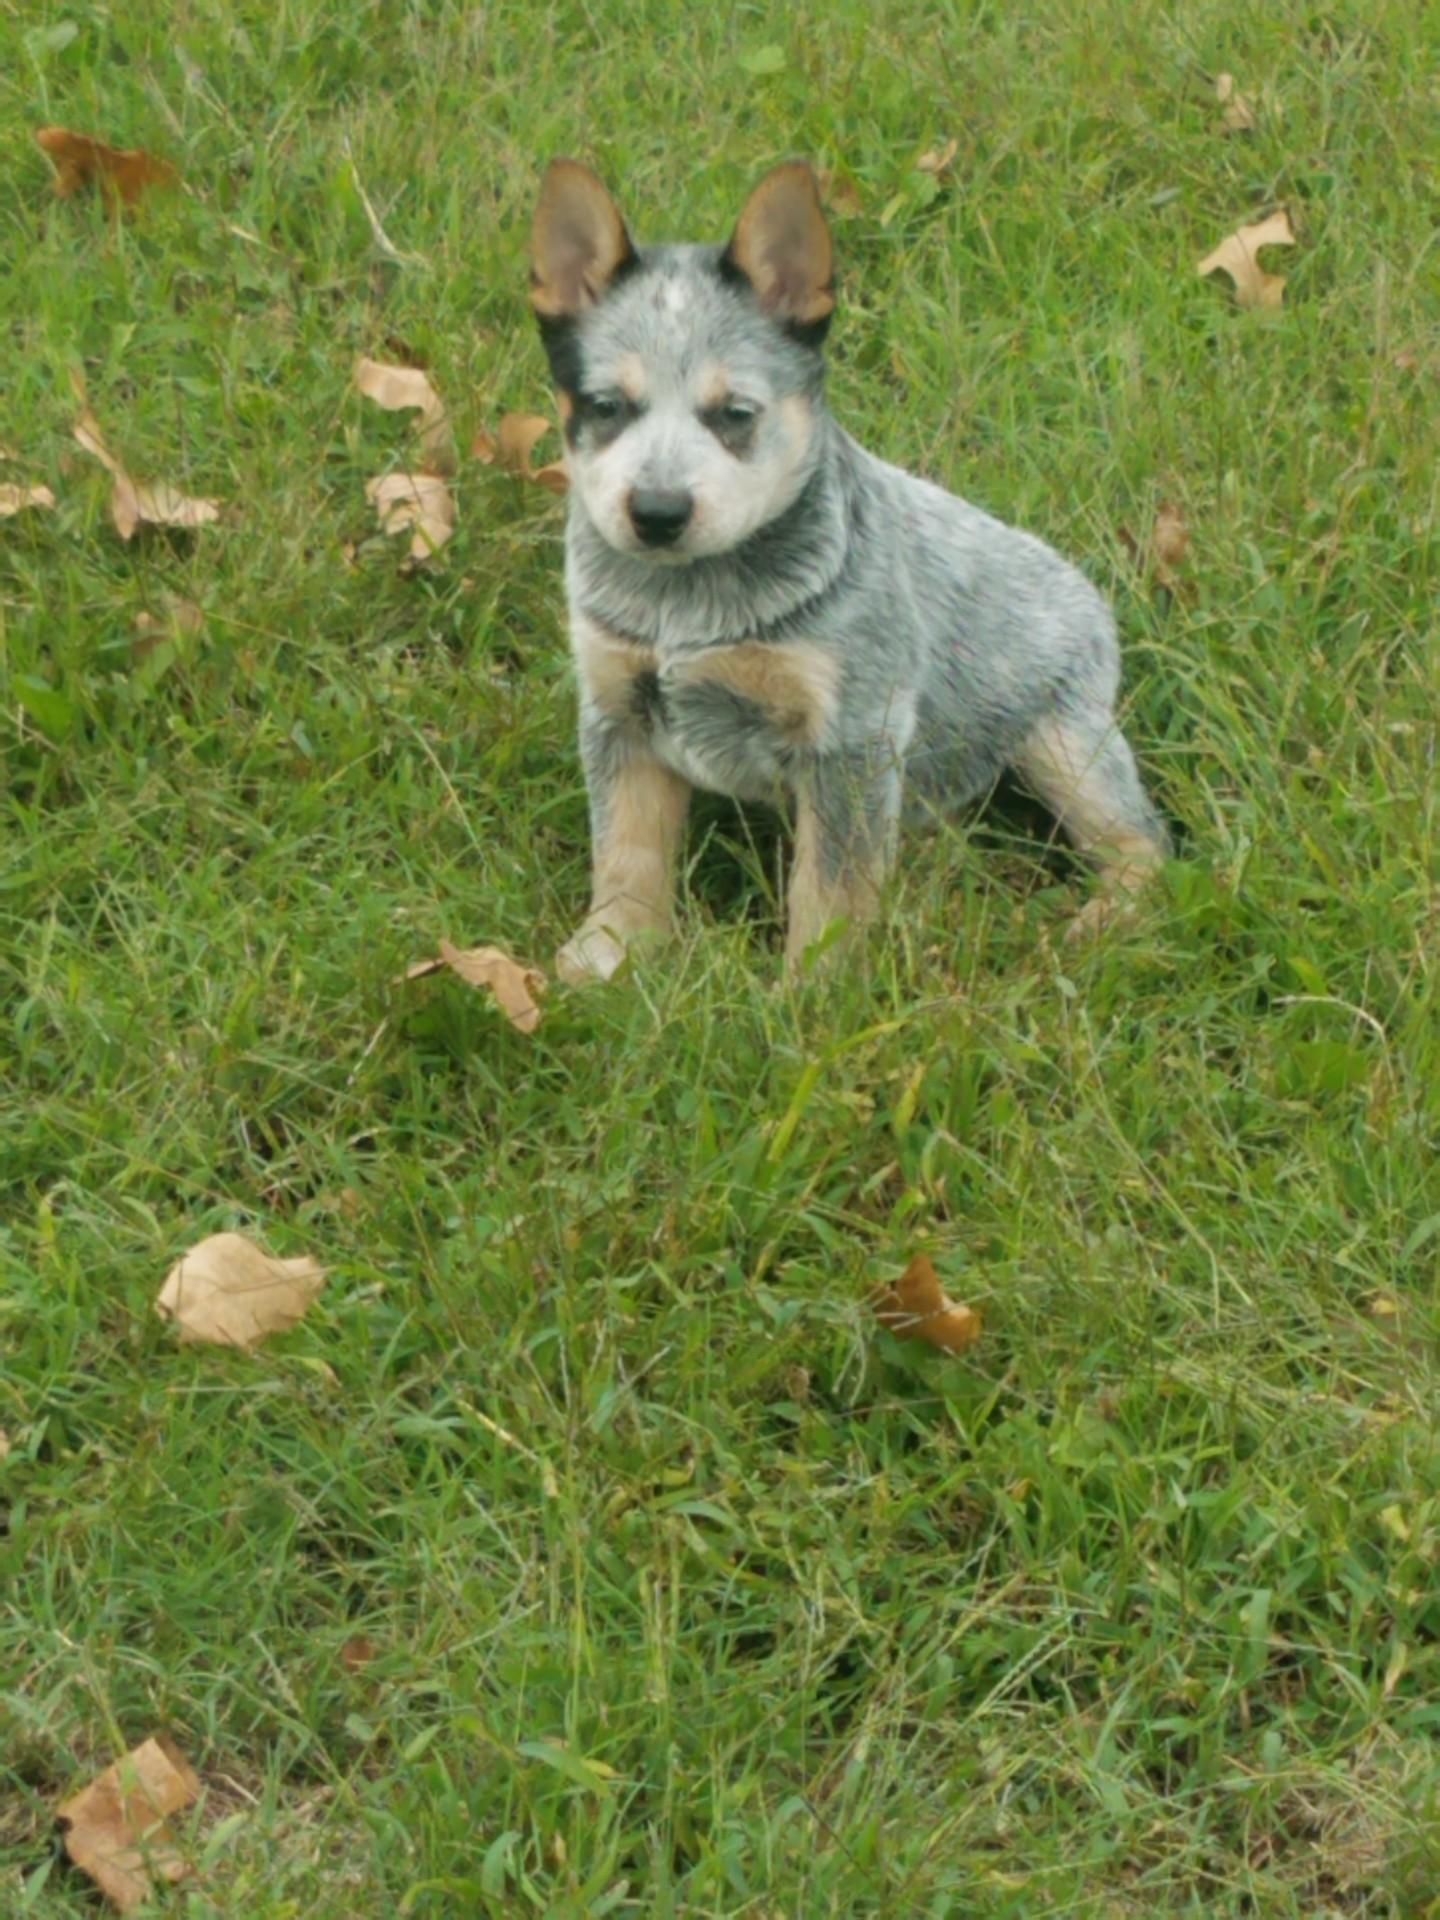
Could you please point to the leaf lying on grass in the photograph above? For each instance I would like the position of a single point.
(917, 1307)
(400, 388)
(121, 173)
(839, 192)
(938, 159)
(15, 499)
(420, 501)
(1236, 255)
(133, 506)
(227, 1291)
(116, 1828)
(516, 987)
(512, 447)
(1237, 115)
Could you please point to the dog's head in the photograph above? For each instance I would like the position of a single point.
(688, 377)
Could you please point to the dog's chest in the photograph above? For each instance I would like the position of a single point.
(735, 718)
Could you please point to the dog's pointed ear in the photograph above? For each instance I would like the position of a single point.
(578, 242)
(781, 245)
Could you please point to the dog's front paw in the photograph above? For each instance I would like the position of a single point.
(592, 953)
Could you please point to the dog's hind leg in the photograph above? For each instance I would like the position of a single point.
(1081, 766)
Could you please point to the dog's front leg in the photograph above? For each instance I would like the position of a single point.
(637, 818)
(846, 816)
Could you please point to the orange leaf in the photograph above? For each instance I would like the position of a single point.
(121, 173)
(917, 1307)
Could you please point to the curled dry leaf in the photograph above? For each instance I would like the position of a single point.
(121, 173)
(400, 388)
(227, 1291)
(516, 986)
(357, 1653)
(1236, 255)
(4, 1443)
(1237, 115)
(116, 1828)
(917, 1307)
(512, 447)
(938, 159)
(839, 192)
(15, 499)
(420, 501)
(133, 506)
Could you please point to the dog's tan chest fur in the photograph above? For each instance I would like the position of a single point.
(792, 685)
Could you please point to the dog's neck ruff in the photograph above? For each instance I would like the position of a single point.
(758, 590)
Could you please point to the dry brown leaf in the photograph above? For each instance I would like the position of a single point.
(116, 1828)
(121, 173)
(516, 986)
(15, 499)
(513, 446)
(937, 161)
(421, 501)
(1169, 545)
(4, 1443)
(1236, 255)
(357, 1653)
(917, 1307)
(133, 506)
(180, 616)
(227, 1291)
(839, 192)
(1237, 116)
(399, 388)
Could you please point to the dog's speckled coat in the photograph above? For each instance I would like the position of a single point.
(760, 607)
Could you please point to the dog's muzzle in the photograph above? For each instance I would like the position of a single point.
(659, 516)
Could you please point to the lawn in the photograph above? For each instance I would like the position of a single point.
(589, 1548)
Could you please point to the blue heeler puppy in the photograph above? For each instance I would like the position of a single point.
(760, 607)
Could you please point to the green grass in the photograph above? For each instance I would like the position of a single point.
(690, 1591)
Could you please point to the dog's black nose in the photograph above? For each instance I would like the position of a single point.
(660, 516)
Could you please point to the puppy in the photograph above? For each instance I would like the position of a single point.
(760, 607)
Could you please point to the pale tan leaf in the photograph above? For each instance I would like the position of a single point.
(133, 505)
(227, 1291)
(16, 499)
(116, 1828)
(4, 1443)
(1236, 255)
(177, 616)
(938, 159)
(513, 446)
(1237, 114)
(519, 433)
(517, 987)
(398, 389)
(420, 501)
(917, 1307)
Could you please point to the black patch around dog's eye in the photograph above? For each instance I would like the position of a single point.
(733, 424)
(603, 416)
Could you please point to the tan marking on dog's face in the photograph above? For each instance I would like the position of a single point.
(630, 376)
(608, 665)
(813, 900)
(793, 684)
(565, 407)
(712, 385)
(634, 856)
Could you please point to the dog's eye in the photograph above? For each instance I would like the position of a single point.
(736, 415)
(733, 423)
(604, 406)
